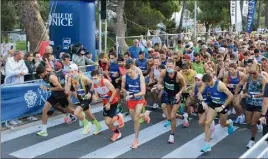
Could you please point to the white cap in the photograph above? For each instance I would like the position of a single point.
(222, 50)
(199, 76)
(204, 46)
(73, 67)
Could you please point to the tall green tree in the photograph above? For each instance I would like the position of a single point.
(213, 13)
(8, 15)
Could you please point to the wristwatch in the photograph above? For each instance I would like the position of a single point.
(48, 89)
(223, 107)
(263, 115)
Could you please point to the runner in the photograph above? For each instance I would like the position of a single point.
(82, 86)
(57, 97)
(220, 97)
(133, 85)
(105, 90)
(231, 80)
(194, 101)
(174, 84)
(198, 65)
(253, 94)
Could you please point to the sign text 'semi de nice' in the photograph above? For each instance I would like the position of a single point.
(61, 19)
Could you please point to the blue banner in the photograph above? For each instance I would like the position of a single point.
(251, 12)
(22, 100)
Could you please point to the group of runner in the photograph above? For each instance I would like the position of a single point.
(229, 76)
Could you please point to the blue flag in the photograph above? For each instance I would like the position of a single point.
(251, 12)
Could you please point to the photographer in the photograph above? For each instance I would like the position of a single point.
(81, 60)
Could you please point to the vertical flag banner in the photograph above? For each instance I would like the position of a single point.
(232, 12)
(251, 12)
(245, 9)
(238, 17)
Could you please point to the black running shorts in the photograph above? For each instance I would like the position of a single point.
(214, 106)
(252, 108)
(60, 98)
(112, 112)
(265, 94)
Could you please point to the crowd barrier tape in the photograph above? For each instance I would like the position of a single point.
(25, 99)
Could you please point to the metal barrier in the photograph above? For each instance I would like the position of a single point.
(7, 77)
(255, 151)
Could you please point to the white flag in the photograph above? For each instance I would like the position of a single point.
(232, 11)
(245, 9)
(238, 17)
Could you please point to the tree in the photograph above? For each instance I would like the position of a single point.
(8, 16)
(120, 24)
(266, 13)
(33, 23)
(212, 15)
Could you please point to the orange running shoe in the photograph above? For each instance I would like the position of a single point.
(135, 143)
(147, 117)
(116, 136)
(120, 121)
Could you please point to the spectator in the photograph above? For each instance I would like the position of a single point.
(29, 62)
(81, 60)
(135, 49)
(16, 68)
(179, 47)
(66, 60)
(257, 56)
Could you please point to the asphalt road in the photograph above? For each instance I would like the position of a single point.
(66, 141)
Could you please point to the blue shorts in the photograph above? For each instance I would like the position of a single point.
(169, 100)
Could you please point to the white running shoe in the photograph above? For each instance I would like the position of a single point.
(250, 144)
(242, 119)
(164, 116)
(171, 139)
(13, 122)
(233, 111)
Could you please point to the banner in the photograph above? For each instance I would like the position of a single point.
(22, 100)
(236, 17)
(251, 12)
(245, 9)
(232, 11)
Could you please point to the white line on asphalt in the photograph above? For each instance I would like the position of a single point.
(32, 129)
(57, 142)
(197, 144)
(123, 145)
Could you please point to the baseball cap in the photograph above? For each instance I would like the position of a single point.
(73, 67)
(216, 44)
(204, 46)
(221, 50)
(199, 76)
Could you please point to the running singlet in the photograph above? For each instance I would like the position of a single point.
(170, 85)
(156, 72)
(204, 94)
(254, 88)
(56, 94)
(215, 95)
(142, 64)
(189, 79)
(199, 68)
(114, 68)
(79, 86)
(233, 81)
(133, 86)
(105, 93)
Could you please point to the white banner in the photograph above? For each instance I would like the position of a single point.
(235, 12)
(238, 17)
(245, 9)
(232, 11)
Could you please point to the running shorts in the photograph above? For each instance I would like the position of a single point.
(84, 103)
(265, 94)
(58, 98)
(213, 106)
(132, 103)
(252, 108)
(112, 112)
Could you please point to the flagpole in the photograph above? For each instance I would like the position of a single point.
(235, 16)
